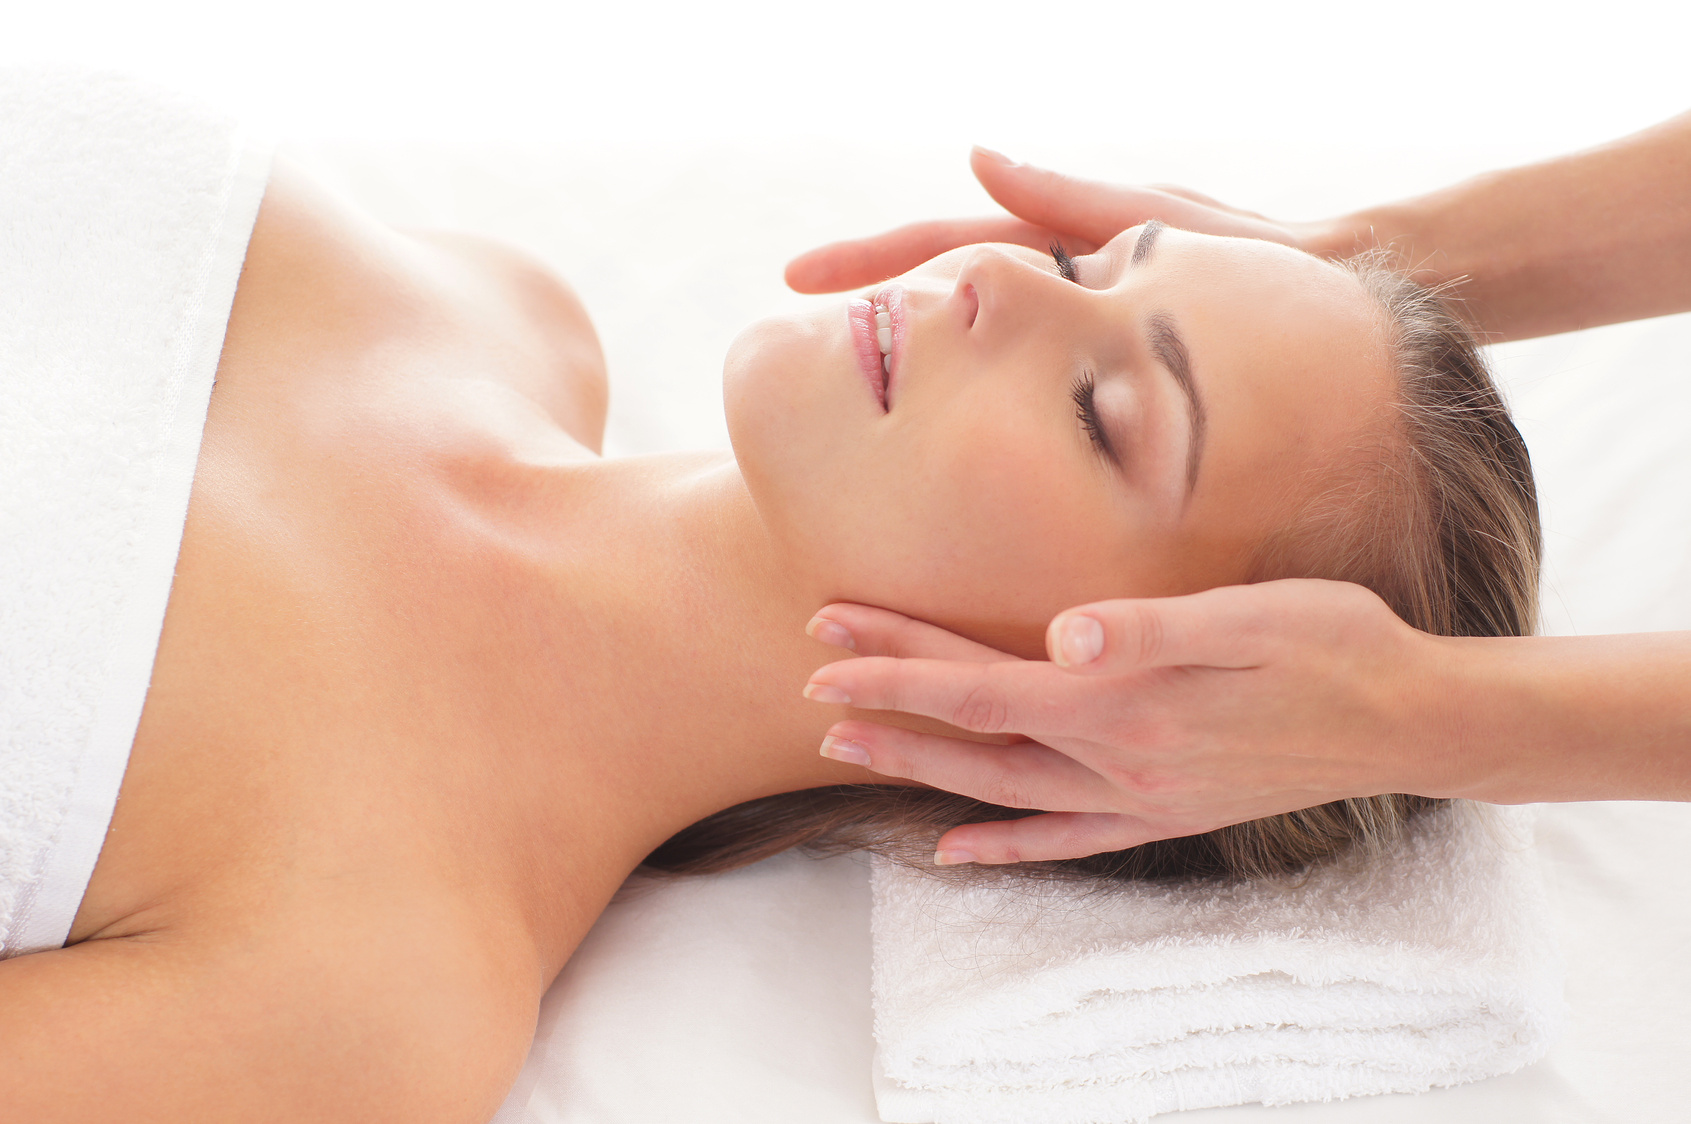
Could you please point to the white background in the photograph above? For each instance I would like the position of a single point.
(1503, 79)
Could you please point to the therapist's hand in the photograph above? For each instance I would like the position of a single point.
(1044, 207)
(1155, 718)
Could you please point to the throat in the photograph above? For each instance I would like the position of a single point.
(665, 654)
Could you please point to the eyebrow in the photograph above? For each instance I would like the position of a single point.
(1146, 242)
(1170, 350)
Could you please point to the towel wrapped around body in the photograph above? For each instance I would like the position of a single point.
(1432, 963)
(124, 219)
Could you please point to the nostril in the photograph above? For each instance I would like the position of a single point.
(971, 304)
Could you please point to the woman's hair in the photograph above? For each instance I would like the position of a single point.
(1438, 516)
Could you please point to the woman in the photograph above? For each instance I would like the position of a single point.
(1363, 704)
(434, 678)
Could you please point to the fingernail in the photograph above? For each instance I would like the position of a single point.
(994, 154)
(952, 858)
(1080, 639)
(830, 632)
(822, 693)
(841, 749)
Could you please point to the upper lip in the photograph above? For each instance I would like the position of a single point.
(861, 315)
(891, 298)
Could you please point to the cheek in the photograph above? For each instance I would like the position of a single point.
(993, 528)
(978, 513)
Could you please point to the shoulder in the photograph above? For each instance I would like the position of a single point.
(539, 316)
(329, 293)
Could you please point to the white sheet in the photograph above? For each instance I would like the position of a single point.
(743, 998)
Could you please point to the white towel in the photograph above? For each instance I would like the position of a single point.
(1431, 964)
(124, 219)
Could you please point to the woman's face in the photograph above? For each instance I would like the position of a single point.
(1041, 442)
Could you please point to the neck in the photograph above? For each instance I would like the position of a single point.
(671, 660)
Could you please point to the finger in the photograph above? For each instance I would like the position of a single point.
(857, 262)
(1189, 195)
(1055, 835)
(1010, 696)
(1023, 774)
(1100, 211)
(871, 631)
(1221, 627)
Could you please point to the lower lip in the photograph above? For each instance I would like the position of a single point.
(865, 342)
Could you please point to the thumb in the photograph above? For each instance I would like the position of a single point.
(1215, 628)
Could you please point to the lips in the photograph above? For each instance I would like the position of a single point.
(861, 314)
(877, 333)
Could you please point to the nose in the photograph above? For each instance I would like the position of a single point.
(998, 290)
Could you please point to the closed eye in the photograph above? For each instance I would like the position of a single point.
(1065, 264)
(1084, 394)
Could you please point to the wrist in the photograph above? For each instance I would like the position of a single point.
(1485, 706)
(1443, 721)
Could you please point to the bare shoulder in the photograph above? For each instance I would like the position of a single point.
(538, 312)
(165, 1028)
(329, 292)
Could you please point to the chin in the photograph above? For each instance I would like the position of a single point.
(783, 394)
(765, 377)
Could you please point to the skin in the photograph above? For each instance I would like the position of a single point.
(1182, 715)
(978, 501)
(434, 678)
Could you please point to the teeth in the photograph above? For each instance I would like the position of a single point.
(886, 364)
(883, 330)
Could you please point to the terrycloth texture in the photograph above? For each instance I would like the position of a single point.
(124, 219)
(1431, 965)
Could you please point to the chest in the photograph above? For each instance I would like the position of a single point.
(334, 685)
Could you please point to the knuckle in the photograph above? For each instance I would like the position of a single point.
(1090, 835)
(1151, 634)
(982, 708)
(892, 761)
(1009, 845)
(1007, 790)
(1144, 781)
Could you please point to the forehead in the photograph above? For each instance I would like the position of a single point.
(1253, 258)
(1290, 354)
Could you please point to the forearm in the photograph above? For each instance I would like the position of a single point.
(1592, 238)
(1569, 718)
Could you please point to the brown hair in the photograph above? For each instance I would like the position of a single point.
(1441, 521)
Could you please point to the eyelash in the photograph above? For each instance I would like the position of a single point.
(1084, 391)
(1084, 394)
(1065, 264)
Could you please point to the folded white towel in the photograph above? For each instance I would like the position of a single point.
(1431, 964)
(124, 218)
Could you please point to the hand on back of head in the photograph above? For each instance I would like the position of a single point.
(1191, 714)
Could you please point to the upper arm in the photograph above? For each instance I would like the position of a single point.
(153, 1028)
